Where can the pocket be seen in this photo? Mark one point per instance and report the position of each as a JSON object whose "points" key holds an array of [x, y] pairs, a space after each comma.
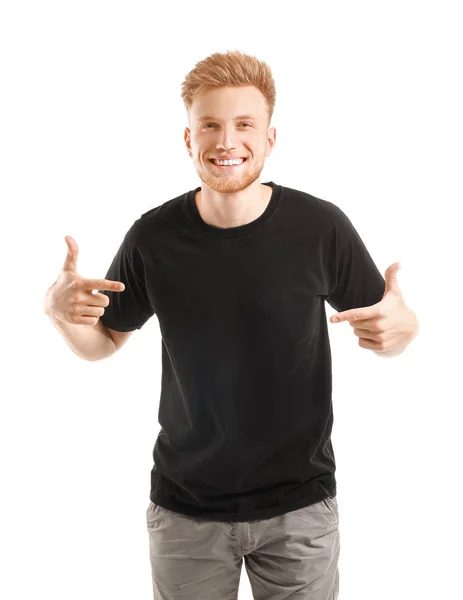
{"points": [[332, 504], [149, 515]]}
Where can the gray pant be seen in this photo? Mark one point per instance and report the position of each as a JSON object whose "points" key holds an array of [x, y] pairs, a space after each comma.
{"points": [[293, 555]]}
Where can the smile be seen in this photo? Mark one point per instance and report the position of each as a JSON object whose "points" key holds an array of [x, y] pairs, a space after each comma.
{"points": [[228, 166]]}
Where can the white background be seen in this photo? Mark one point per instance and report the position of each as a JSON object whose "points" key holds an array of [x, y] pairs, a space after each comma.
{"points": [[368, 116]]}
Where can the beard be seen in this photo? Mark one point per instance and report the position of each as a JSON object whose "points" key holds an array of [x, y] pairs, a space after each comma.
{"points": [[229, 182]]}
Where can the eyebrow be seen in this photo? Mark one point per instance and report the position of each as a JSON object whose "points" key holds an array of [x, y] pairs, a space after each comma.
{"points": [[235, 118]]}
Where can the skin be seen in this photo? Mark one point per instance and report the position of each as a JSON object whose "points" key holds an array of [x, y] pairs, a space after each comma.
{"points": [[235, 197], [386, 327]]}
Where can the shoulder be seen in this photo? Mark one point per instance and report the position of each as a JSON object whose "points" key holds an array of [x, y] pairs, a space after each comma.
{"points": [[147, 227], [327, 213], [162, 210]]}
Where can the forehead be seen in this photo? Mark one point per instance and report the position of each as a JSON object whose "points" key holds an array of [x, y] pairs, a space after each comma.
{"points": [[229, 103]]}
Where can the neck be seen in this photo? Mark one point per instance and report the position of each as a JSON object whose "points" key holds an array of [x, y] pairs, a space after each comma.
{"points": [[226, 210]]}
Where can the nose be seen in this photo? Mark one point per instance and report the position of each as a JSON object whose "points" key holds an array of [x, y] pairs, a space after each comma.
{"points": [[227, 140]]}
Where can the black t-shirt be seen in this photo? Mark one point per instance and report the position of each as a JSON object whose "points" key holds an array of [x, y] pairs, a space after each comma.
{"points": [[245, 408]]}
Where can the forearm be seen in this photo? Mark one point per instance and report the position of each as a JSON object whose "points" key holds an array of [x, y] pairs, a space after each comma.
{"points": [[88, 342]]}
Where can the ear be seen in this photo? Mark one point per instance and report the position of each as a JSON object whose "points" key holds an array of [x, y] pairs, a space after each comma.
{"points": [[186, 137], [271, 140]]}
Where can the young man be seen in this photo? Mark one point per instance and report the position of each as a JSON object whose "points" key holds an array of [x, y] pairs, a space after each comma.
{"points": [[238, 272]]}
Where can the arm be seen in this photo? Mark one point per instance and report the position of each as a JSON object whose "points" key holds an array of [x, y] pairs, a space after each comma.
{"points": [[386, 327], [89, 342]]}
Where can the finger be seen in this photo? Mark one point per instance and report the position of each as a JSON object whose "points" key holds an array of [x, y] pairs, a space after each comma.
{"points": [[104, 284], [92, 311], [366, 335], [97, 299], [70, 264], [357, 314]]}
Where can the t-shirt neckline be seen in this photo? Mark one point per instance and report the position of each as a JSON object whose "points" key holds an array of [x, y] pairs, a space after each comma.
{"points": [[240, 230]]}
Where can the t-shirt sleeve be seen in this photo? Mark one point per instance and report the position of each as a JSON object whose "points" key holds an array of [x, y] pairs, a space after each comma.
{"points": [[130, 309], [355, 281]]}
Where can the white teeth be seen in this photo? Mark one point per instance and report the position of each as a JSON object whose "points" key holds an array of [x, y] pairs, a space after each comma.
{"points": [[236, 161]]}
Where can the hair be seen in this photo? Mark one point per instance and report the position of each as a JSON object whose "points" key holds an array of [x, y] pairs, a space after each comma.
{"points": [[232, 68]]}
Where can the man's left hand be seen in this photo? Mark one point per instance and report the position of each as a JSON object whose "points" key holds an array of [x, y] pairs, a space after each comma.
{"points": [[388, 324]]}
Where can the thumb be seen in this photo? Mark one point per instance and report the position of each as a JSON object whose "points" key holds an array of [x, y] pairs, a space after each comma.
{"points": [[70, 264], [390, 277]]}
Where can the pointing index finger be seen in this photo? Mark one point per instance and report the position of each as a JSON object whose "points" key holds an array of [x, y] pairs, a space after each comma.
{"points": [[105, 284], [355, 314]]}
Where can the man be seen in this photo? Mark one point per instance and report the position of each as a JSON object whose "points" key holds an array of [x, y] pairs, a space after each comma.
{"points": [[238, 272]]}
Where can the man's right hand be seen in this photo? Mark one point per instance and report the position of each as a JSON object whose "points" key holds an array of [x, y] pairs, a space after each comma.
{"points": [[71, 299]]}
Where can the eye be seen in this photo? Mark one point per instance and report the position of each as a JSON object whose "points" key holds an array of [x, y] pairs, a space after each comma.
{"points": [[213, 124]]}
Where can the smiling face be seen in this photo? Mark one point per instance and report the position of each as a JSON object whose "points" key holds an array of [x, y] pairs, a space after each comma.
{"points": [[229, 122]]}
